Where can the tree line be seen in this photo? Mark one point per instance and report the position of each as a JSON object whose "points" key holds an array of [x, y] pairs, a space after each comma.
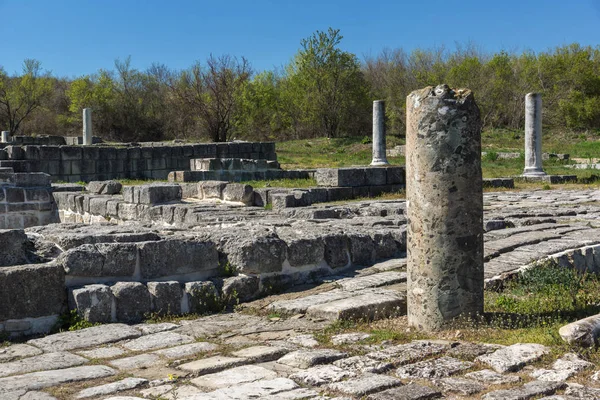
{"points": [[322, 91]]}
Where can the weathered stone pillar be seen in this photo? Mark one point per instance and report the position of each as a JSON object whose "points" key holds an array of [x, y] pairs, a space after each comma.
{"points": [[87, 126], [5, 137], [379, 156], [533, 135], [444, 206]]}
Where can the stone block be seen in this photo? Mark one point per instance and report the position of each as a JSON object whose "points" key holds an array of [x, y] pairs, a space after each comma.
{"points": [[239, 288], [94, 303], [261, 197], [185, 257], [98, 205], [104, 187], [157, 194], [362, 249], [340, 177], [318, 195], [257, 251], [15, 152], [339, 193], [49, 153], [395, 175], [100, 260], [337, 250], [238, 192], [15, 248], [31, 291], [212, 189], [202, 297], [375, 176], [133, 301], [166, 297], [71, 153], [305, 251], [14, 195]]}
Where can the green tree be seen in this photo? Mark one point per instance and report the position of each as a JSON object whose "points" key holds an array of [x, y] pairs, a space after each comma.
{"points": [[213, 93], [21, 95], [329, 86]]}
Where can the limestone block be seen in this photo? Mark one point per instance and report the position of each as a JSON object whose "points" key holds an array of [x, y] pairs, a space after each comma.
{"points": [[212, 189], [94, 303], [339, 193], [70, 153], [362, 249], [133, 301], [238, 192], [341, 177], [166, 297], [185, 256], [257, 251], [337, 250], [157, 194], [102, 259], [318, 195], [104, 187], [31, 291], [31, 179], [202, 297], [15, 247], [239, 288], [303, 250], [375, 176]]}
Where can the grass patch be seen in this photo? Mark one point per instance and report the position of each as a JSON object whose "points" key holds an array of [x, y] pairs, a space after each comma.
{"points": [[283, 183]]}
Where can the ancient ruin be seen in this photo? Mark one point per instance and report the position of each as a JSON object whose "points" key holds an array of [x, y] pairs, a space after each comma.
{"points": [[204, 287]]}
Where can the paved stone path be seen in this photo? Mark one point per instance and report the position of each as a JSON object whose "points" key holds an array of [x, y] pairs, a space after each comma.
{"points": [[248, 356], [241, 356]]}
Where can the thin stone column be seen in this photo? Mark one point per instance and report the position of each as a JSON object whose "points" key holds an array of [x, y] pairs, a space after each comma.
{"points": [[379, 156], [5, 137], [444, 206], [87, 126], [533, 135]]}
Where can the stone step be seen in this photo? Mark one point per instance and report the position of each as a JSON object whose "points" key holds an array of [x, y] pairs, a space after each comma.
{"points": [[44, 379], [88, 337], [368, 306], [371, 281]]}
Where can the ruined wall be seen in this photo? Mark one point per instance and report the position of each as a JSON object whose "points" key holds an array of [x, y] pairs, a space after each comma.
{"points": [[25, 200], [101, 162]]}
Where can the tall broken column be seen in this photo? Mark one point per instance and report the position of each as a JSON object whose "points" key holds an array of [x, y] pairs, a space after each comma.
{"points": [[379, 156], [87, 126], [5, 138], [444, 206], [533, 135]]}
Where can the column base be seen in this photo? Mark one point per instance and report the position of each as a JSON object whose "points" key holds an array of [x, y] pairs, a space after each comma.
{"points": [[533, 172], [379, 162]]}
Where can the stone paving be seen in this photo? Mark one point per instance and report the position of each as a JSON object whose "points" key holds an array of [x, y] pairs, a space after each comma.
{"points": [[242, 356], [246, 355]]}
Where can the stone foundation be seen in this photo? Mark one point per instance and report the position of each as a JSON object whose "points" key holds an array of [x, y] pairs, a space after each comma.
{"points": [[149, 161], [25, 200]]}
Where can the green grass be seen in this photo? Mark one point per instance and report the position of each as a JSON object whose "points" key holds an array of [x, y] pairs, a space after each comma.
{"points": [[333, 153], [283, 183]]}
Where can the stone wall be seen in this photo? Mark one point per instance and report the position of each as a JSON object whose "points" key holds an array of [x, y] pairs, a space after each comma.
{"points": [[25, 200], [101, 162]]}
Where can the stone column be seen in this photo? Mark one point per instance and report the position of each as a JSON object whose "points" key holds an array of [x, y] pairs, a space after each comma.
{"points": [[5, 137], [533, 135], [87, 126], [444, 206], [379, 157]]}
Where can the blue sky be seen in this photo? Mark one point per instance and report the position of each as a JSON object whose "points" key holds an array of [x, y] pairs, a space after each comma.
{"points": [[73, 38]]}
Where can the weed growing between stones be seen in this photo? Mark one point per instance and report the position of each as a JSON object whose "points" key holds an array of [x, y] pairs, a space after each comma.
{"points": [[71, 321]]}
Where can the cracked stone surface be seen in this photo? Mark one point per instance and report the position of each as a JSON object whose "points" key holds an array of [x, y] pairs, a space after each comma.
{"points": [[248, 355]]}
